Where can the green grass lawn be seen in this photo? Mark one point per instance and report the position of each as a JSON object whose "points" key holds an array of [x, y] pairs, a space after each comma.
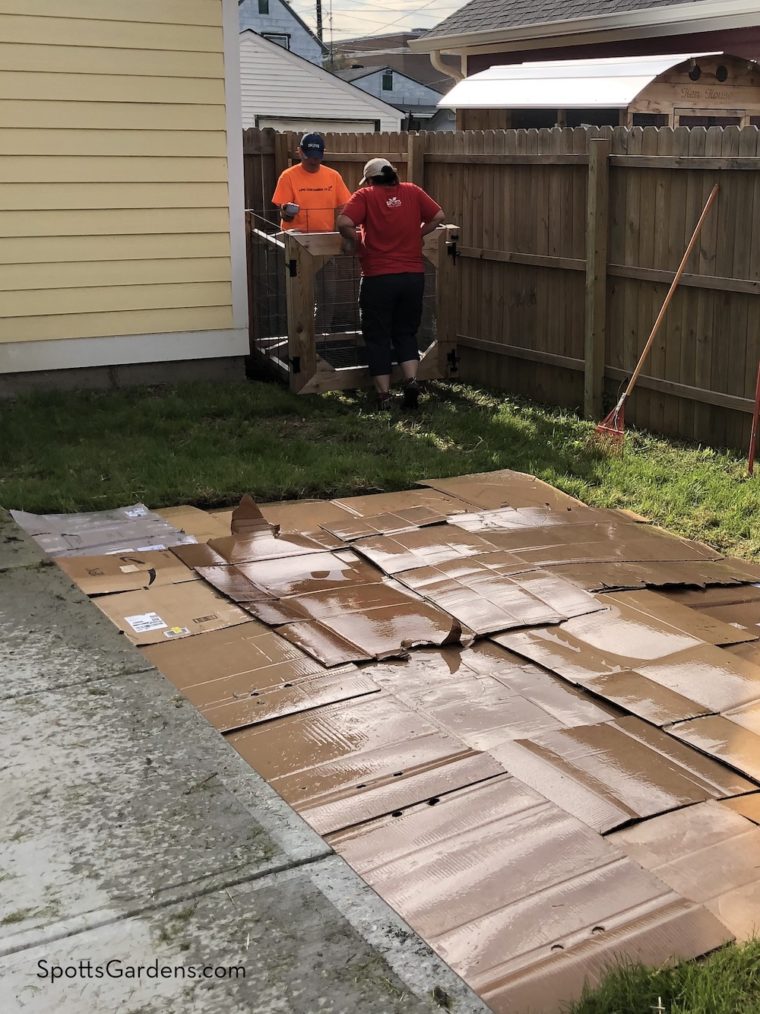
{"points": [[208, 444], [727, 982]]}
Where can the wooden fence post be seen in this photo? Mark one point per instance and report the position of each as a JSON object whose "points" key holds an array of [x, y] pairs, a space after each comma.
{"points": [[415, 167], [597, 233], [447, 301], [300, 270], [282, 153]]}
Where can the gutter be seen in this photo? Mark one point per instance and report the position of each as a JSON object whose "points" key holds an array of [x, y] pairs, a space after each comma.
{"points": [[721, 11], [445, 68]]}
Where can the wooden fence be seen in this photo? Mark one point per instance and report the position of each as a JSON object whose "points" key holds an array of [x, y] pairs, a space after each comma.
{"points": [[569, 240]]}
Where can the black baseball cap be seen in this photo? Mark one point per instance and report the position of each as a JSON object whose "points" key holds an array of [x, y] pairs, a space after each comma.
{"points": [[313, 145]]}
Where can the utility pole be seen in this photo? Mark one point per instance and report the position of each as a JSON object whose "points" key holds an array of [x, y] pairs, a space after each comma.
{"points": [[319, 20]]}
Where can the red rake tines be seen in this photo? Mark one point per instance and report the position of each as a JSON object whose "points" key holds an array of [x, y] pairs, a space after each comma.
{"points": [[611, 430]]}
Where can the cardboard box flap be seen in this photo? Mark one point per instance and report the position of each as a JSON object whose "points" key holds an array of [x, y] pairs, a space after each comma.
{"points": [[193, 521], [289, 700], [708, 854], [726, 740], [104, 575], [504, 488], [594, 771], [247, 518], [161, 614]]}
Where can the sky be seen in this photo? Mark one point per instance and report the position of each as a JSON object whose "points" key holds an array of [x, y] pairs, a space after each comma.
{"points": [[354, 18]]}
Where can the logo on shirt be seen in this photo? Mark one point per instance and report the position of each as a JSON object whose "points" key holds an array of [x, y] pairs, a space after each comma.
{"points": [[393, 202]]}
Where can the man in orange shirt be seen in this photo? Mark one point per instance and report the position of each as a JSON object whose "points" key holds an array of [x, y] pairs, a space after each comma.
{"points": [[310, 195]]}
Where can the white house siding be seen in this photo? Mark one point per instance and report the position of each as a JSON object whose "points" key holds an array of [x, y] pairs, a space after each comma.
{"points": [[405, 91], [281, 21], [277, 85]]}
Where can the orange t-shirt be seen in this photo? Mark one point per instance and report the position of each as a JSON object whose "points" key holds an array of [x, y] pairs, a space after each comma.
{"points": [[317, 194]]}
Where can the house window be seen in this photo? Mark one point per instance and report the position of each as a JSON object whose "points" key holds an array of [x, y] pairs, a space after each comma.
{"points": [[280, 40], [388, 81], [263, 6]]}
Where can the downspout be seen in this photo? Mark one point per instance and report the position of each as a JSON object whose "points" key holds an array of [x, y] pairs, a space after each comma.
{"points": [[445, 68]]}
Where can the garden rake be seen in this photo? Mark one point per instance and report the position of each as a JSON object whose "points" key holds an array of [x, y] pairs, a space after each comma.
{"points": [[611, 430]]}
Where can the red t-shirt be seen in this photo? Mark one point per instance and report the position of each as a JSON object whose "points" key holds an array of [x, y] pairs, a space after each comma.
{"points": [[391, 219]]}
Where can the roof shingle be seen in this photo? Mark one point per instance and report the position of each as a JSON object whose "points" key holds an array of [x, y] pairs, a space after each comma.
{"points": [[485, 15]]}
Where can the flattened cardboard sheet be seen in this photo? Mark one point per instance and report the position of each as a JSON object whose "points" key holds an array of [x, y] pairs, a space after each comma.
{"points": [[487, 601], [426, 547], [706, 626], [723, 738], [640, 696], [739, 614], [302, 515], [385, 524], [263, 546], [291, 576], [707, 854], [598, 577], [231, 664], [309, 757], [123, 530], [193, 521], [521, 518], [290, 699], [482, 878], [747, 806], [705, 599], [505, 488], [612, 773], [373, 504], [105, 575], [168, 613]]}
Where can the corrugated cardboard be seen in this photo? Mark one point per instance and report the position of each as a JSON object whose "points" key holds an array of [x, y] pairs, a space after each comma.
{"points": [[610, 774], [651, 574], [193, 521], [426, 547], [263, 546], [230, 664], [352, 744], [481, 877], [381, 503], [385, 524], [708, 626], [707, 854], [124, 530], [505, 488], [519, 518], [247, 519], [723, 738], [164, 614], [486, 601], [104, 575], [303, 515], [747, 806]]}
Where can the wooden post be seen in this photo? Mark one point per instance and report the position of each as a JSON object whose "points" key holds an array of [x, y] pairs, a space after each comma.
{"points": [[300, 269], [597, 222], [415, 168], [282, 153], [447, 300]]}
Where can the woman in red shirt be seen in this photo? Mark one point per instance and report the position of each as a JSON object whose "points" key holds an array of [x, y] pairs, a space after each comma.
{"points": [[393, 218]]}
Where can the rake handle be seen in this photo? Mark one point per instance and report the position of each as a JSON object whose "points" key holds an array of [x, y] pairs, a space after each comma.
{"points": [[671, 292]]}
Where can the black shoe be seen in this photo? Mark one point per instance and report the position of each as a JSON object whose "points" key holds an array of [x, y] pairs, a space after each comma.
{"points": [[384, 402], [411, 398]]}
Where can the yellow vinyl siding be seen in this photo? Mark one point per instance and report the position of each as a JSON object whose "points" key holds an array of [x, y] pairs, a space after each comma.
{"points": [[111, 169], [93, 60], [171, 143], [186, 12], [97, 325], [114, 203], [129, 272], [73, 249]]}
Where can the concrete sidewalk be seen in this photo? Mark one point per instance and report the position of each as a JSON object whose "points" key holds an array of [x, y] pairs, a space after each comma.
{"points": [[132, 835]]}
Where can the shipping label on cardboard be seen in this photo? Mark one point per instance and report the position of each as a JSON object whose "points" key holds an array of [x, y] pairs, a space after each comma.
{"points": [[143, 622]]}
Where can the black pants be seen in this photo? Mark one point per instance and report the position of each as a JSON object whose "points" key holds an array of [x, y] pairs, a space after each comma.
{"points": [[391, 311]]}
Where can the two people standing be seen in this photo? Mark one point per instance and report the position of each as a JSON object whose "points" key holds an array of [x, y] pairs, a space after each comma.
{"points": [[384, 224]]}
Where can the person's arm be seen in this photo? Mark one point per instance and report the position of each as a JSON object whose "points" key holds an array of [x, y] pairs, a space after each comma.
{"points": [[347, 230], [283, 195], [343, 196], [432, 225]]}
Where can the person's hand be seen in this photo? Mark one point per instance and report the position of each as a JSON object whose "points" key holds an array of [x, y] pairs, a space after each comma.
{"points": [[348, 246]]}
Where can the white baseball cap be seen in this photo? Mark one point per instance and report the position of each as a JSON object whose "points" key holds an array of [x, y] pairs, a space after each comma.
{"points": [[373, 168]]}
